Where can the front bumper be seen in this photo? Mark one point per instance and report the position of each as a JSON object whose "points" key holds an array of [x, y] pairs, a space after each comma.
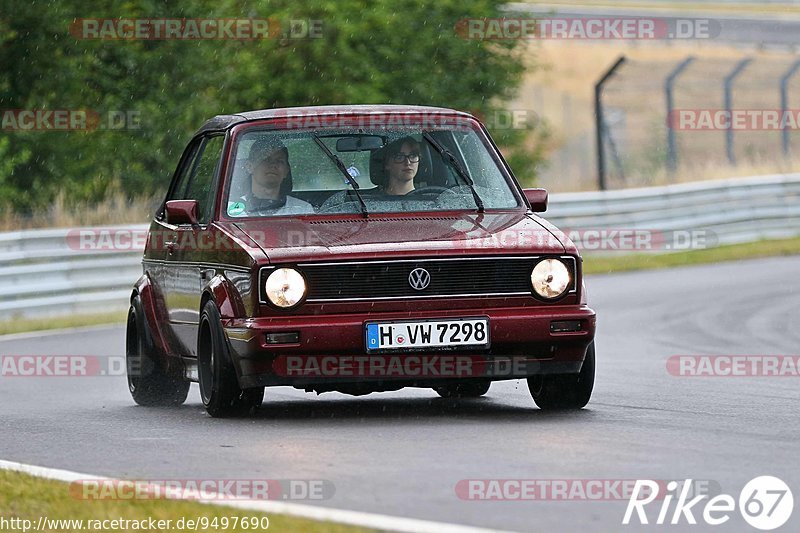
{"points": [[331, 348]]}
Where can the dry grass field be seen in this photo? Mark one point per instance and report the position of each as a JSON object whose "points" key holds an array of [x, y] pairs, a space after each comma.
{"points": [[116, 208]]}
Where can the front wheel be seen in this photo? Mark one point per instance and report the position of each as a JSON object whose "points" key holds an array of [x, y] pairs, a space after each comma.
{"points": [[219, 388], [565, 391]]}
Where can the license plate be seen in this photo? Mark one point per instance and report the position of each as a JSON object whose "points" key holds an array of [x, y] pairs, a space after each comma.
{"points": [[441, 334]]}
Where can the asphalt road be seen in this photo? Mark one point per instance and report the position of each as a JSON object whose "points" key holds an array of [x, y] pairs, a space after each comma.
{"points": [[403, 453]]}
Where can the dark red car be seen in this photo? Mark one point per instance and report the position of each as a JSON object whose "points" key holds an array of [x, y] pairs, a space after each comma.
{"points": [[354, 249]]}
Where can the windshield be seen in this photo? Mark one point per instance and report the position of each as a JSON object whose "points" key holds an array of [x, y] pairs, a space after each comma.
{"points": [[363, 170]]}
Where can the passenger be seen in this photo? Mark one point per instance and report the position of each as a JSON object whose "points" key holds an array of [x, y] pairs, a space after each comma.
{"points": [[270, 183], [400, 163]]}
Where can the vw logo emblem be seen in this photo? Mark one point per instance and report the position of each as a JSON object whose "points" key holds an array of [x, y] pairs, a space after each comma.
{"points": [[419, 279]]}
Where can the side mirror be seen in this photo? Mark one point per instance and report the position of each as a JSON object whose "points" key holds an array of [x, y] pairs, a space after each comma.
{"points": [[181, 212], [537, 198]]}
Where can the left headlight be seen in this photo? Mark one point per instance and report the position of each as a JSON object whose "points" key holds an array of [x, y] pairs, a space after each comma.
{"points": [[285, 287], [550, 278]]}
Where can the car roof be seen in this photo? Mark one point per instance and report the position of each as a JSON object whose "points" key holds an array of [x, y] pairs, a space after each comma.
{"points": [[223, 122]]}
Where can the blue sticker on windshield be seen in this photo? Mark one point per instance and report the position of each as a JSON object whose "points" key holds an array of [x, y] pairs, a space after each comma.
{"points": [[235, 208]]}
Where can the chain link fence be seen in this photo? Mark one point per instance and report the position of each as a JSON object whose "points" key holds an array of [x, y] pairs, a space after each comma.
{"points": [[647, 141]]}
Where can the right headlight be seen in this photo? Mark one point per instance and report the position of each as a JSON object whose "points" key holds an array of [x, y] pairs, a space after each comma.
{"points": [[285, 287], [550, 278]]}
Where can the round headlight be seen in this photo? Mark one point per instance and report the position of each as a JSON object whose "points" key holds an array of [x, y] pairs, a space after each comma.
{"points": [[550, 278], [285, 287]]}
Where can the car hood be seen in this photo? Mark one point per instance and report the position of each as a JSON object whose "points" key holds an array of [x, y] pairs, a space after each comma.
{"points": [[296, 240]]}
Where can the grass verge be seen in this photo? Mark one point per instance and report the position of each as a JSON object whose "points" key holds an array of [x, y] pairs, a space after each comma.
{"points": [[734, 252], [29, 498], [72, 321]]}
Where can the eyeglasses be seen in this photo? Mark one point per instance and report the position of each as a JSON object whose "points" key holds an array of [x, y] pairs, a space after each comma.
{"points": [[400, 157]]}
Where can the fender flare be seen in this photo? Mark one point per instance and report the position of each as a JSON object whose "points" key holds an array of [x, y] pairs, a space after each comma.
{"points": [[143, 288], [225, 297], [229, 304]]}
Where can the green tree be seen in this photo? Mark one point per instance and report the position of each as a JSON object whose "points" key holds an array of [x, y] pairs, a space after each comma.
{"points": [[368, 51]]}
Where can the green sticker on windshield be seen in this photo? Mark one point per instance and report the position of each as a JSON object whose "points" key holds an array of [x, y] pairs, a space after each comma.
{"points": [[235, 208]]}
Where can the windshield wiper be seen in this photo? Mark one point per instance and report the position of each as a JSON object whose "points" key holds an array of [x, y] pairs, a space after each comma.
{"points": [[456, 164], [338, 162]]}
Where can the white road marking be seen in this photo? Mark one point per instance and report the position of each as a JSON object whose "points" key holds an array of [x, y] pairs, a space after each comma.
{"points": [[341, 516]]}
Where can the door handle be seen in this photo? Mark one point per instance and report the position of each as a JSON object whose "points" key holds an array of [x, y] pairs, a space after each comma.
{"points": [[170, 246]]}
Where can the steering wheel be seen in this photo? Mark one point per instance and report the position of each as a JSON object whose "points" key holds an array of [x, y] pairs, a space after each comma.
{"points": [[430, 189]]}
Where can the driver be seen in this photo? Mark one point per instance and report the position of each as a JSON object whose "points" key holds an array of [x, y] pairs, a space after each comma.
{"points": [[270, 183], [400, 163]]}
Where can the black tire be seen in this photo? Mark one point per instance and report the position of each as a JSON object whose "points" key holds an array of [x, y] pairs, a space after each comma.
{"points": [[463, 390], [219, 387], [565, 391], [148, 382]]}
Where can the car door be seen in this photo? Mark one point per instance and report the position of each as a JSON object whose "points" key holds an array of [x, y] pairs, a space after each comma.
{"points": [[189, 252], [159, 253]]}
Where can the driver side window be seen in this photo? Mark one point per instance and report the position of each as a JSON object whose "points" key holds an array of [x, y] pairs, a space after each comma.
{"points": [[197, 176], [178, 189]]}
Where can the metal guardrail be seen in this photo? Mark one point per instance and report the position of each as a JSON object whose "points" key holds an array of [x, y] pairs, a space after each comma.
{"points": [[730, 211], [45, 272], [48, 272]]}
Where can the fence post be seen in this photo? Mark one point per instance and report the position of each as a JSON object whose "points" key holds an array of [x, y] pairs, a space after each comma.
{"points": [[600, 122], [672, 151], [729, 79], [785, 104]]}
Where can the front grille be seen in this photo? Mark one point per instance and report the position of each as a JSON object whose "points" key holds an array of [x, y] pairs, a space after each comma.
{"points": [[373, 280]]}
